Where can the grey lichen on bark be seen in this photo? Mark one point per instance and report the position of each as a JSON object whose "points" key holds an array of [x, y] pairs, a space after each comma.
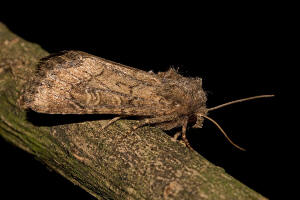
{"points": [[109, 164]]}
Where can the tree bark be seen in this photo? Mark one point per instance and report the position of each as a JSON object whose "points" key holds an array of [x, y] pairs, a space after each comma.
{"points": [[108, 164]]}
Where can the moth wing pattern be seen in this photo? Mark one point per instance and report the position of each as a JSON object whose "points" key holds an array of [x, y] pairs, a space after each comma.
{"points": [[74, 82]]}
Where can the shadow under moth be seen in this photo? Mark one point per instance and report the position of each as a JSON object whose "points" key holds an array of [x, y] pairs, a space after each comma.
{"points": [[74, 82]]}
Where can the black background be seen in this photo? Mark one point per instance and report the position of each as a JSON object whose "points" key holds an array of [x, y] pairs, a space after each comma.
{"points": [[237, 55]]}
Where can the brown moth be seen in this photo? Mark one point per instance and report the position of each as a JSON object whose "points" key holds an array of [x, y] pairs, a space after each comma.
{"points": [[74, 82]]}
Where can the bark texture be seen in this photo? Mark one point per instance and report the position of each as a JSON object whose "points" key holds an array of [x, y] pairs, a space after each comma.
{"points": [[108, 164]]}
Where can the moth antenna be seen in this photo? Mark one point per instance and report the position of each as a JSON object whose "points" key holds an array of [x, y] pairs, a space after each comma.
{"points": [[220, 128], [240, 100]]}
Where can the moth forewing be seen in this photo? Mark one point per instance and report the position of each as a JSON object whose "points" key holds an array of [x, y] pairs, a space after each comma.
{"points": [[90, 84]]}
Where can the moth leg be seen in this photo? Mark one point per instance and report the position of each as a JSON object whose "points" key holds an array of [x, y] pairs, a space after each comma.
{"points": [[184, 127], [176, 136], [110, 122], [154, 120]]}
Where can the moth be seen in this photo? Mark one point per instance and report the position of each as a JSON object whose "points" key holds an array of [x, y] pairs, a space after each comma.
{"points": [[74, 82]]}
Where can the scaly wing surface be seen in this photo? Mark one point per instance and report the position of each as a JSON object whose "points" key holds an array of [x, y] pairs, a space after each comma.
{"points": [[75, 82]]}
